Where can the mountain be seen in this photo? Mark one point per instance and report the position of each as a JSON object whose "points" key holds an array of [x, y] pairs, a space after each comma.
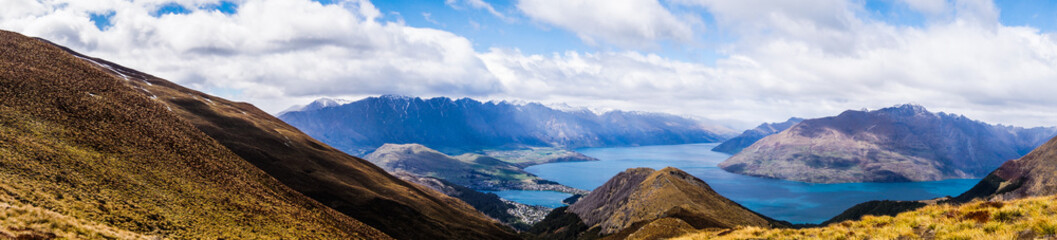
{"points": [[640, 196], [467, 125], [902, 143], [734, 145], [470, 170], [316, 105], [1033, 175], [86, 153], [253, 140]]}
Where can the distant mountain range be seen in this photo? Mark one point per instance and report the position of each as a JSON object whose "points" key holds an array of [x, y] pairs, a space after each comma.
{"points": [[902, 143], [465, 125], [747, 138]]}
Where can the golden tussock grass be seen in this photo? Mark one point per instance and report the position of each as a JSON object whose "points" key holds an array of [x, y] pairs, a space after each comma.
{"points": [[28, 222], [1031, 218]]}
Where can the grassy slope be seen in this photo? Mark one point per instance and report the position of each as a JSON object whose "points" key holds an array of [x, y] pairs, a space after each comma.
{"points": [[348, 184], [1020, 219], [29, 222], [78, 141], [1035, 174]]}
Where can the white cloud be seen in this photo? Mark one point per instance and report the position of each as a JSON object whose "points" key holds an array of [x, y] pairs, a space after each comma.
{"points": [[626, 23], [815, 60], [429, 18], [808, 59], [477, 4], [269, 50]]}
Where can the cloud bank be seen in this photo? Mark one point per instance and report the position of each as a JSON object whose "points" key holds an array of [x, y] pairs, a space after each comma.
{"points": [[808, 59]]}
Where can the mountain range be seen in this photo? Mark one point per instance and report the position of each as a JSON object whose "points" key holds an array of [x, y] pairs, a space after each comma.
{"points": [[902, 143], [467, 125], [734, 145], [106, 145]]}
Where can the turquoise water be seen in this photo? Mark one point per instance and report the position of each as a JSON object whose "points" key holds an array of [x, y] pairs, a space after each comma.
{"points": [[795, 202], [549, 199]]}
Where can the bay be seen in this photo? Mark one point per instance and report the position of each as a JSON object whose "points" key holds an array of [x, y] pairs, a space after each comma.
{"points": [[549, 199]]}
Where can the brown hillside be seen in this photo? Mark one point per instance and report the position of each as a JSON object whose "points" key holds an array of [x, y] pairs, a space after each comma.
{"points": [[639, 196], [1033, 175], [348, 184], [78, 141]]}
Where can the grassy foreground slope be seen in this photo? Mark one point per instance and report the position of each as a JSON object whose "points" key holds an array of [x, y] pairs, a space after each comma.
{"points": [[77, 141], [1029, 218]]}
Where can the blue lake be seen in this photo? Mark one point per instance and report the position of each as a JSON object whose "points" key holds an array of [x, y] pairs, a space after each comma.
{"points": [[795, 202], [549, 199]]}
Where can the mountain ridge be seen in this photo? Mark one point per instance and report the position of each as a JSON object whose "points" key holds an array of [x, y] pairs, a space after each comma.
{"points": [[77, 140], [456, 126]]}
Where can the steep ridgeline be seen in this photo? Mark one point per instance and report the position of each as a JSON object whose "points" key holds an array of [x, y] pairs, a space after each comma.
{"points": [[747, 138], [903, 143], [352, 186], [1034, 175], [87, 155], [641, 196], [470, 170], [458, 126]]}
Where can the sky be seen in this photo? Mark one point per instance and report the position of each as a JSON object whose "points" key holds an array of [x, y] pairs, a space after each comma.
{"points": [[737, 62]]}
